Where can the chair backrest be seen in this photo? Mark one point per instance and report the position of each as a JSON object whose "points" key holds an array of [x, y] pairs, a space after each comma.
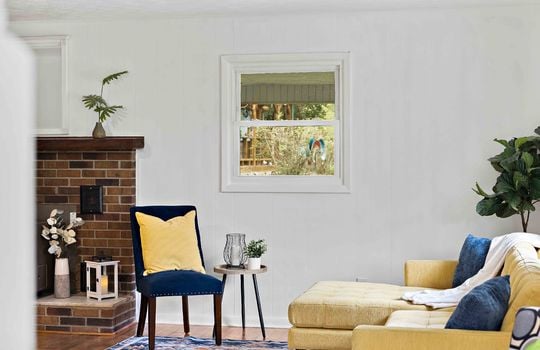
{"points": [[164, 212]]}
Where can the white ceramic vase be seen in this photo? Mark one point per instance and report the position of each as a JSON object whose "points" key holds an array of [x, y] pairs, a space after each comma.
{"points": [[254, 263], [61, 278]]}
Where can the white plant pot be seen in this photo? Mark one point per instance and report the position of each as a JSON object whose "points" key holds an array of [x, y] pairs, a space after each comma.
{"points": [[61, 278], [254, 263]]}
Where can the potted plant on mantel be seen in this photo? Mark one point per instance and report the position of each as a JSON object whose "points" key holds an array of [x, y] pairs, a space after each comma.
{"points": [[60, 236], [254, 250], [517, 188], [98, 104]]}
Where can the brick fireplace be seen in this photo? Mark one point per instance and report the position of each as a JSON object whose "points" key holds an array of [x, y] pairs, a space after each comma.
{"points": [[63, 165]]}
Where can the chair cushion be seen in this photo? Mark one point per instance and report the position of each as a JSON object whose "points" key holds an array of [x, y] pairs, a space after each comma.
{"points": [[471, 258], [484, 307], [418, 319], [169, 245], [344, 305], [181, 282]]}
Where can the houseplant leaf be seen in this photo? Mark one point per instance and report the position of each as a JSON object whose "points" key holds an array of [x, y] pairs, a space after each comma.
{"points": [[510, 163], [489, 206], [107, 80], [513, 199], [520, 141], [502, 142], [535, 188], [478, 190], [527, 206], [505, 211], [520, 180], [503, 185], [91, 101]]}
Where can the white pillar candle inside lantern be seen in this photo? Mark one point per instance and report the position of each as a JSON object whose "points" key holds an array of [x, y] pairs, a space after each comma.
{"points": [[235, 255], [101, 275], [104, 284]]}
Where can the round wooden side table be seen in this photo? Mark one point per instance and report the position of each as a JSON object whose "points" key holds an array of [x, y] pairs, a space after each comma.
{"points": [[224, 270]]}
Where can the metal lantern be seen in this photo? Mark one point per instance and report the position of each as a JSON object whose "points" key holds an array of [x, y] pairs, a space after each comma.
{"points": [[234, 250]]}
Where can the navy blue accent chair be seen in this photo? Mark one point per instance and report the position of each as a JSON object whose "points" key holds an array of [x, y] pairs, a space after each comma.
{"points": [[170, 283]]}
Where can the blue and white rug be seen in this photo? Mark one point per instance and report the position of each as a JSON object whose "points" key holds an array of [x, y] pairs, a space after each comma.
{"points": [[192, 343]]}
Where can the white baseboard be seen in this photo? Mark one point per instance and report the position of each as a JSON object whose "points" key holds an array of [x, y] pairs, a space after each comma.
{"points": [[208, 319], [231, 321]]}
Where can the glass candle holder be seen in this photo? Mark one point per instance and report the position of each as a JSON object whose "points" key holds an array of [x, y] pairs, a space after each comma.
{"points": [[233, 254]]}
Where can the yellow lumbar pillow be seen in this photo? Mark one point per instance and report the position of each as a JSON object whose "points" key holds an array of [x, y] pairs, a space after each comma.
{"points": [[169, 245]]}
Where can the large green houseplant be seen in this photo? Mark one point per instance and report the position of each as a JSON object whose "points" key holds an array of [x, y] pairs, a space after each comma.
{"points": [[517, 188]]}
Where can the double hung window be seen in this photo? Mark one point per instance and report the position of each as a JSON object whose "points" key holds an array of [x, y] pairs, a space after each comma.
{"points": [[285, 123]]}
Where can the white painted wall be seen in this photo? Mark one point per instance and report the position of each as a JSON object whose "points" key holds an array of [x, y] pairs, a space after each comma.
{"points": [[17, 194], [430, 90]]}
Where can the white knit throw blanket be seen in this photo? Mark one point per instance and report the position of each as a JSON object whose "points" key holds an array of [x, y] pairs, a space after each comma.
{"points": [[500, 245]]}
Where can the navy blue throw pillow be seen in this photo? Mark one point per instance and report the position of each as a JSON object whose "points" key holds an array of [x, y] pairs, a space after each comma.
{"points": [[484, 307], [471, 258]]}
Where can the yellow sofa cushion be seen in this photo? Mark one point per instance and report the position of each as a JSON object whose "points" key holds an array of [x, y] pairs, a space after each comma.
{"points": [[169, 245], [344, 305], [418, 319]]}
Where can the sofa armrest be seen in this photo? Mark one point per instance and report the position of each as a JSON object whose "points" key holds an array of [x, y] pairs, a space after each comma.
{"points": [[396, 338], [437, 274]]}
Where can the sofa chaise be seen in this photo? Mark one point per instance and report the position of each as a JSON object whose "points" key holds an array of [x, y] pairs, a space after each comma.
{"points": [[371, 316]]}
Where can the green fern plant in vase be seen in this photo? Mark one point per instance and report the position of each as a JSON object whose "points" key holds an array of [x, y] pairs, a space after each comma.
{"points": [[98, 104], [254, 250]]}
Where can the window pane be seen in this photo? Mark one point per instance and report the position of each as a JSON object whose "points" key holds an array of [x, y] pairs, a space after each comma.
{"points": [[288, 96], [291, 150], [49, 88], [291, 111]]}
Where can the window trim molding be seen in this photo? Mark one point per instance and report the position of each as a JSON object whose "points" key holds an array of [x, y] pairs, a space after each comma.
{"points": [[53, 42], [232, 66]]}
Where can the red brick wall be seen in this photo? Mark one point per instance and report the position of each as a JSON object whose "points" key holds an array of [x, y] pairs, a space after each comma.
{"points": [[59, 175]]}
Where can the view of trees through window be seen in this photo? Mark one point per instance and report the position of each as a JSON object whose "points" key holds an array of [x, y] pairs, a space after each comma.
{"points": [[295, 147]]}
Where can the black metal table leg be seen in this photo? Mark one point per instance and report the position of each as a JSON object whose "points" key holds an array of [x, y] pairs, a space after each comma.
{"points": [[243, 302], [259, 305], [223, 288]]}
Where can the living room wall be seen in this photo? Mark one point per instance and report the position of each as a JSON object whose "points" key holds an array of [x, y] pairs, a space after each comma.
{"points": [[431, 88]]}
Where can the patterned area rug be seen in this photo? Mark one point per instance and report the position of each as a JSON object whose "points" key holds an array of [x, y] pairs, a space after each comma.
{"points": [[192, 343]]}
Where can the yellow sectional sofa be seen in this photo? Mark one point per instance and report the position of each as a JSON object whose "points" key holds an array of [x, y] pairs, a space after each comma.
{"points": [[371, 316]]}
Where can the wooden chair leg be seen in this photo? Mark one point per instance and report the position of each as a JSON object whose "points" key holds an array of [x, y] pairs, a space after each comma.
{"points": [[217, 317], [185, 313], [142, 315], [152, 323]]}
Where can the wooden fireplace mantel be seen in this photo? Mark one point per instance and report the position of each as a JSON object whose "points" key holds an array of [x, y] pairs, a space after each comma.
{"points": [[83, 143]]}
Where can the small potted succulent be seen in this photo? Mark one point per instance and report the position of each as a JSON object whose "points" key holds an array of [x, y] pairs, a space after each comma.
{"points": [[254, 250]]}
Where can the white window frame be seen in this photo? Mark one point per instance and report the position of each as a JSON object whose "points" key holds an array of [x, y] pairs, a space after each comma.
{"points": [[232, 66], [55, 42]]}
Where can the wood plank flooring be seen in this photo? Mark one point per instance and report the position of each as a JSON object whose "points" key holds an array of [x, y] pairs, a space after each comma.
{"points": [[50, 341]]}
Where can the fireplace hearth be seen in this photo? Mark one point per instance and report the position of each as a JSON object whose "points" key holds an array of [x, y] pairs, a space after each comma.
{"points": [[64, 164]]}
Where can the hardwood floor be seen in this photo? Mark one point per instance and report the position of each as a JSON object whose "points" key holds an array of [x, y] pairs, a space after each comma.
{"points": [[50, 341]]}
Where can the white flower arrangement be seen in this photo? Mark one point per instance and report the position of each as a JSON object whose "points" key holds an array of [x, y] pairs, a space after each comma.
{"points": [[58, 234]]}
